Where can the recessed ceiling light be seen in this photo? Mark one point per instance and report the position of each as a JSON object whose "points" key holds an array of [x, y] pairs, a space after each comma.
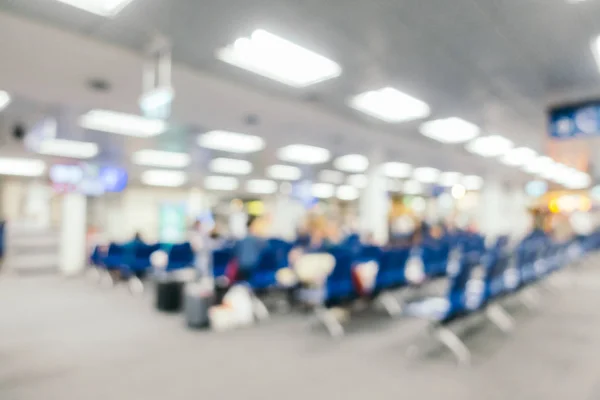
{"points": [[449, 179], [122, 124], [163, 159], [352, 163], [303, 154], [68, 148], [472, 182], [322, 190], [230, 166], [284, 172], [393, 185], [276, 58], [450, 130], [426, 174], [330, 176], [490, 146], [397, 170], [103, 8], [21, 167], [359, 181], [224, 183], [596, 50], [412, 187], [390, 105], [538, 165], [347, 193], [166, 178], [4, 99], [231, 142], [261, 186], [458, 191], [519, 156]]}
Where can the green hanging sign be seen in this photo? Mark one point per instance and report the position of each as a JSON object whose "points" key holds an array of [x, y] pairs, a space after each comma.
{"points": [[172, 223]]}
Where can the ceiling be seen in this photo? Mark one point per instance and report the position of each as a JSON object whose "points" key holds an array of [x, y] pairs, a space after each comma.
{"points": [[495, 63]]}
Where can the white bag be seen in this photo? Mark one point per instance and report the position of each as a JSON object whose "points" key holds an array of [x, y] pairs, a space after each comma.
{"points": [[415, 270], [239, 299], [313, 269]]}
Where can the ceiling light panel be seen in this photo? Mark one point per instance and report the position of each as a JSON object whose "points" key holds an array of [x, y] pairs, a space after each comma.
{"points": [[448, 179], [359, 181], [122, 124], [330, 176], [304, 154], [390, 105], [22, 167], [103, 8], [352, 163], [472, 182], [279, 59], [426, 174], [347, 193], [163, 159], [68, 148], [261, 186], [165, 178], [538, 165], [231, 142], [230, 166], [596, 50], [397, 170], [519, 156], [490, 146], [322, 190], [450, 130], [221, 183], [284, 172], [4, 99], [412, 187]]}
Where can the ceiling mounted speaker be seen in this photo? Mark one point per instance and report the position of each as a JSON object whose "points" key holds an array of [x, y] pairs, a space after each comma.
{"points": [[18, 132]]}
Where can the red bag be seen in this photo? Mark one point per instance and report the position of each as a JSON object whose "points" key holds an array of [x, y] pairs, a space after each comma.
{"points": [[357, 282], [231, 271]]}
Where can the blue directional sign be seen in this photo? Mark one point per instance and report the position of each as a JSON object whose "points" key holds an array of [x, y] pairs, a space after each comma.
{"points": [[575, 121]]}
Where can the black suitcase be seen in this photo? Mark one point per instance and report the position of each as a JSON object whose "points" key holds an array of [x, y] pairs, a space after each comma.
{"points": [[169, 296]]}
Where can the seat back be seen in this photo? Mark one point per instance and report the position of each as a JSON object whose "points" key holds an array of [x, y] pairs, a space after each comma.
{"points": [[181, 255], [497, 263], [344, 259]]}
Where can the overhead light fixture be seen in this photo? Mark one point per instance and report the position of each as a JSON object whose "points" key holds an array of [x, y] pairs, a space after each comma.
{"points": [[68, 148], [397, 170], [284, 172], [230, 166], [231, 142], [4, 99], [393, 185], [490, 146], [21, 167], [596, 50], [347, 193], [426, 174], [359, 181], [303, 154], [412, 187], [165, 178], [330, 176], [538, 165], [390, 105], [354, 163], [472, 182], [551, 171], [163, 159], [458, 191], [519, 156], [122, 124], [222, 183], [448, 179], [102, 8], [450, 130], [322, 190], [276, 58], [261, 186]]}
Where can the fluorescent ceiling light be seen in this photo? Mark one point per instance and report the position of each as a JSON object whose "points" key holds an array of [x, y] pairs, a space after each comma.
{"points": [[68, 148], [519, 156], [538, 165], [225, 183], [22, 167], [230, 166], [551, 171], [4, 99], [578, 180], [322, 190], [330, 176], [458, 191], [231, 142], [426, 174], [303, 154], [490, 146], [472, 182], [122, 124], [596, 50], [352, 163], [261, 186], [448, 179], [412, 187], [450, 130], [276, 58], [166, 178], [393, 185], [284, 172], [164, 159], [347, 193], [359, 181], [103, 8], [397, 170], [390, 105]]}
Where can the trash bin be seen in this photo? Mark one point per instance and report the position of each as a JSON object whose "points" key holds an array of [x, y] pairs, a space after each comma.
{"points": [[169, 295], [198, 300]]}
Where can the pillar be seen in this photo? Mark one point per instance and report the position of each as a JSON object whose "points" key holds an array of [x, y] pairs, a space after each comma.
{"points": [[72, 256], [287, 214], [492, 210], [520, 219], [374, 202]]}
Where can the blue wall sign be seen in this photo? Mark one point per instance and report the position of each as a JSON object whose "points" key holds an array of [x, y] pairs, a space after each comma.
{"points": [[88, 179], [575, 121]]}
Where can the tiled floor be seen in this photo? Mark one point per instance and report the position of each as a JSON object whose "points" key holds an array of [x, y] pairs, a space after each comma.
{"points": [[70, 339]]}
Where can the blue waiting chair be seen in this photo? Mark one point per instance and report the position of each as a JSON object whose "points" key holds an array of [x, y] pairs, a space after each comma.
{"points": [[180, 256]]}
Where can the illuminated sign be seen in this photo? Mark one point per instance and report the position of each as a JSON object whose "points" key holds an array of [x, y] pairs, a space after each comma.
{"points": [[88, 179]]}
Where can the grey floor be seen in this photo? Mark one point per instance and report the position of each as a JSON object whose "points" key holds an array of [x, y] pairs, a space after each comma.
{"points": [[71, 339]]}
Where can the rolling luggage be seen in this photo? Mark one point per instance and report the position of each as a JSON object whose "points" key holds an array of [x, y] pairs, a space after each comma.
{"points": [[169, 295], [198, 300]]}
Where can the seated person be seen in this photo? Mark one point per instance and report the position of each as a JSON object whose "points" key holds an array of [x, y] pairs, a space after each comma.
{"points": [[248, 250]]}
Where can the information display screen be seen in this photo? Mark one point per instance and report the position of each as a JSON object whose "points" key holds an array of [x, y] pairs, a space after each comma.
{"points": [[89, 179]]}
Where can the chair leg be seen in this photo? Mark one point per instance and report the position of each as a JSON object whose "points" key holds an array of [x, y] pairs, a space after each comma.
{"points": [[454, 344], [260, 310], [390, 303], [330, 321], [136, 286], [94, 274], [107, 279], [499, 317], [530, 299]]}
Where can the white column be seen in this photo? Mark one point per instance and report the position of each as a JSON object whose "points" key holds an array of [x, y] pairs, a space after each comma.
{"points": [[73, 234], [491, 217], [37, 204], [374, 202], [520, 221], [287, 214]]}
